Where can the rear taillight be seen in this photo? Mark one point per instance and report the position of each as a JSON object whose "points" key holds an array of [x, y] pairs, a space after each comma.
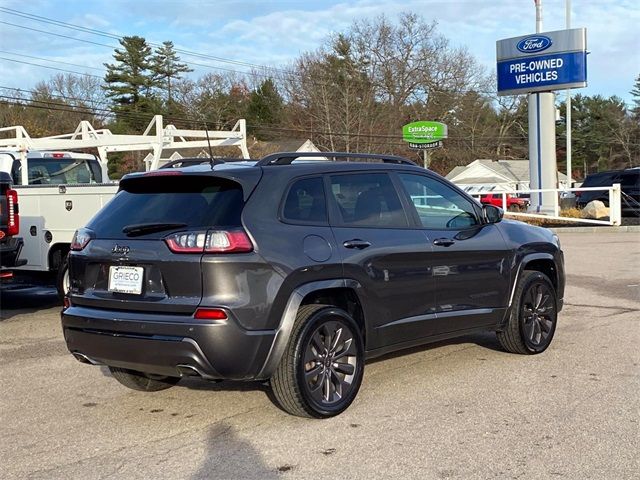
{"points": [[13, 215], [80, 239], [210, 314], [212, 241]]}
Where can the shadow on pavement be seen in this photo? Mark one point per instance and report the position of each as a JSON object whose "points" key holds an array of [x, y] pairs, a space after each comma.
{"points": [[20, 299], [486, 340], [229, 456]]}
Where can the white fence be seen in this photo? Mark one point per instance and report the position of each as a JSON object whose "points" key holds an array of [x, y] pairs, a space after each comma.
{"points": [[615, 209]]}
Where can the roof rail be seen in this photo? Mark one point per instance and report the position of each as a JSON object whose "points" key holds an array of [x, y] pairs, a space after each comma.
{"points": [[189, 162], [285, 158]]}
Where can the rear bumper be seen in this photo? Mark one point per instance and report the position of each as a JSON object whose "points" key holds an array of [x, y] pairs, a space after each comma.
{"points": [[172, 345], [10, 252]]}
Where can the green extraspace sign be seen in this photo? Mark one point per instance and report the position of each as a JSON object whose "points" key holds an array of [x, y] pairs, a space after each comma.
{"points": [[424, 132]]}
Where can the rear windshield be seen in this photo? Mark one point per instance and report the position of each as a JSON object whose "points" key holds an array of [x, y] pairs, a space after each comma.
{"points": [[197, 202], [56, 171]]}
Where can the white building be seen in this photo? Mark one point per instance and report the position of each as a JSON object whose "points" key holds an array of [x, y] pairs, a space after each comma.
{"points": [[495, 176]]}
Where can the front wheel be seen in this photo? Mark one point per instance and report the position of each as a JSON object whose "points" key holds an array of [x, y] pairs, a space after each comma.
{"points": [[534, 314], [322, 368]]}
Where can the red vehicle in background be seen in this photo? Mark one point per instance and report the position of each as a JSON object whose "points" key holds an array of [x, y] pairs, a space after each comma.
{"points": [[514, 203]]}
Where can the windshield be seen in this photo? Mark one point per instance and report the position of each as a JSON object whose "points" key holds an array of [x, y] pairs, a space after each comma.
{"points": [[149, 205], [56, 171]]}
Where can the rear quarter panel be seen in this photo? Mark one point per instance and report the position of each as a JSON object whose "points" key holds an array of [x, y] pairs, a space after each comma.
{"points": [[284, 250]]}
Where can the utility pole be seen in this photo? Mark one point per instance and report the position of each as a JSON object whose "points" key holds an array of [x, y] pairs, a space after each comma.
{"points": [[568, 103]]}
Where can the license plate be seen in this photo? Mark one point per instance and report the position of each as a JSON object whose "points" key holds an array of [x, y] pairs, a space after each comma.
{"points": [[126, 279]]}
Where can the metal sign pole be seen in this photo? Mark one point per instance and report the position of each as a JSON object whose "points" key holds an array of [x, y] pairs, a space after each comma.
{"points": [[542, 142], [568, 106]]}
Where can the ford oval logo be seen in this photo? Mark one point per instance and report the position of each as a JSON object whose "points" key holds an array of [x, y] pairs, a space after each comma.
{"points": [[533, 44]]}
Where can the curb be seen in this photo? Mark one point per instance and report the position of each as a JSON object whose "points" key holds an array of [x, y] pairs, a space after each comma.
{"points": [[624, 228]]}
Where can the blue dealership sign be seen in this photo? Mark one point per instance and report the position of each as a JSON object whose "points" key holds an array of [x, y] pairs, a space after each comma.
{"points": [[542, 62], [543, 72]]}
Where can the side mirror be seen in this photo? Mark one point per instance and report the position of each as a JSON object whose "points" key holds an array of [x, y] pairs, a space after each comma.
{"points": [[492, 214]]}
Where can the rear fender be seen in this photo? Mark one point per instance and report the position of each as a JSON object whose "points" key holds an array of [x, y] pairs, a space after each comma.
{"points": [[283, 331]]}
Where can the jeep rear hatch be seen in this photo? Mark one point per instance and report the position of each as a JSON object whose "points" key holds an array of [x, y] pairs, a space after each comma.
{"points": [[142, 251]]}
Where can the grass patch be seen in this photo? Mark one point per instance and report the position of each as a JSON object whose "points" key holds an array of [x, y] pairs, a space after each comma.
{"points": [[554, 222]]}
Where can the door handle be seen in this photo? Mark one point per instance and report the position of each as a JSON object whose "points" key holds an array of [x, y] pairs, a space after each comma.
{"points": [[356, 243], [443, 242]]}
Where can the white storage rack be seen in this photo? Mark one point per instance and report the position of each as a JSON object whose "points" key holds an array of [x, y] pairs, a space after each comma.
{"points": [[155, 139], [51, 213]]}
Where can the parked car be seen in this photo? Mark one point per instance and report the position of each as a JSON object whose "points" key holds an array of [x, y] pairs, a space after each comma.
{"points": [[629, 181], [10, 243], [296, 272], [514, 203]]}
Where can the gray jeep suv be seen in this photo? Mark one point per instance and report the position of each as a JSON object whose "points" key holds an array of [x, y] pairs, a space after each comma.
{"points": [[296, 270]]}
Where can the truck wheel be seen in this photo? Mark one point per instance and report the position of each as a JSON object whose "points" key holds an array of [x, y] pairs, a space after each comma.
{"points": [[141, 381], [63, 283], [533, 317], [322, 368]]}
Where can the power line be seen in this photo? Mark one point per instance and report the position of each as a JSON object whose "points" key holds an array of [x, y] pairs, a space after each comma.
{"points": [[52, 106], [118, 37], [284, 73], [52, 61], [214, 67], [148, 116], [85, 101], [188, 119], [51, 68], [57, 34]]}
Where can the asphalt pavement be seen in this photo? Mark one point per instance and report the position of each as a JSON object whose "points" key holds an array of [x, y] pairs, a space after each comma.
{"points": [[462, 409]]}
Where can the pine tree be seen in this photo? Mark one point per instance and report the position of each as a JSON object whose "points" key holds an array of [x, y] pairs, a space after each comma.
{"points": [[129, 82], [166, 67], [265, 108], [635, 93]]}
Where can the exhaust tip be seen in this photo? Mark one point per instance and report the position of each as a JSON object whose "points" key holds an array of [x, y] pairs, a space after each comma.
{"points": [[82, 358], [188, 371]]}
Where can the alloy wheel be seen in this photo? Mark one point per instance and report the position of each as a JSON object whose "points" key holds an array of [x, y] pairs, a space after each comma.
{"points": [[538, 315], [330, 363]]}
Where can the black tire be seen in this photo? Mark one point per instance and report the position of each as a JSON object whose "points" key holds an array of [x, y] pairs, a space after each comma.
{"points": [[534, 315], [317, 396], [142, 381], [62, 278]]}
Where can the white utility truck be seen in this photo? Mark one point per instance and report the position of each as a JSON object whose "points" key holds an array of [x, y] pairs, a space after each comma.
{"points": [[60, 190]]}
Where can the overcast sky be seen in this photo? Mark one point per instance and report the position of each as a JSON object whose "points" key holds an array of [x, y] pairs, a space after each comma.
{"points": [[275, 32]]}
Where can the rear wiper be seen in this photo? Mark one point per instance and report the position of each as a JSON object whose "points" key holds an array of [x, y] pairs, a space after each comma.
{"points": [[144, 228]]}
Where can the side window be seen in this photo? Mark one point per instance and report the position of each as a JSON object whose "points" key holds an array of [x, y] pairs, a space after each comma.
{"points": [[16, 172], [368, 200], [439, 206], [96, 171], [631, 179], [306, 202]]}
